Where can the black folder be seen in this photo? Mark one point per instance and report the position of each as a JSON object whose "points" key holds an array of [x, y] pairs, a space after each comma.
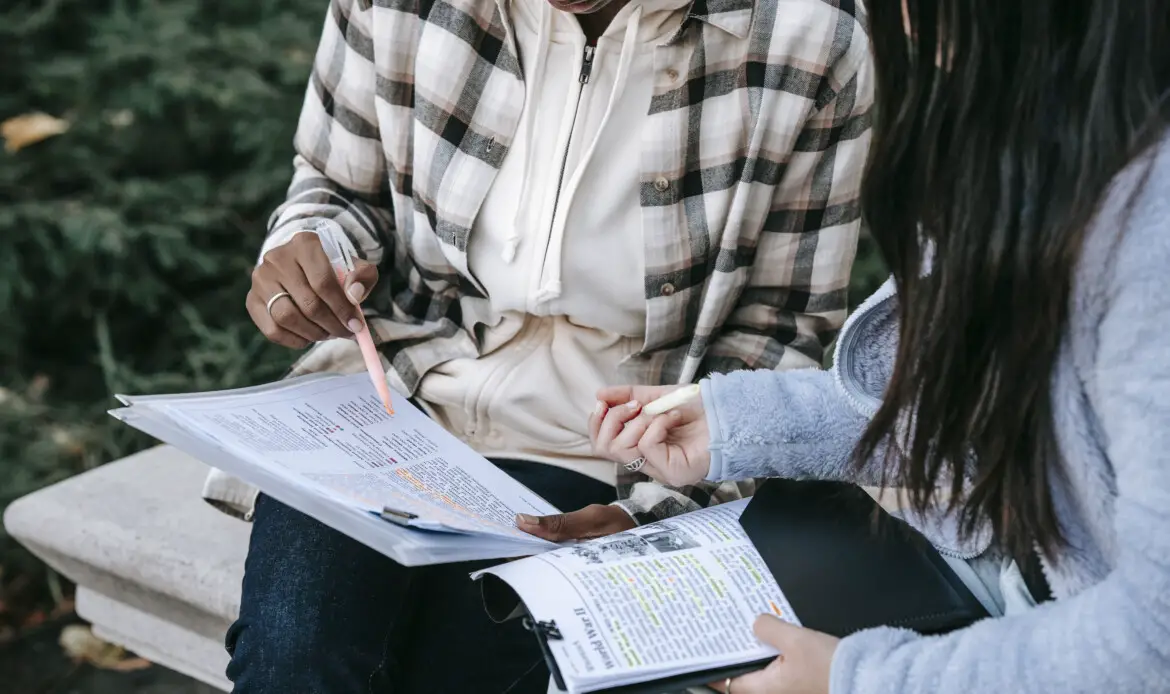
{"points": [[846, 565], [843, 563]]}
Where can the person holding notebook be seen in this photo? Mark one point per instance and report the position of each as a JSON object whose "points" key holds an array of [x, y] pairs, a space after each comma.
{"points": [[548, 197], [1016, 370]]}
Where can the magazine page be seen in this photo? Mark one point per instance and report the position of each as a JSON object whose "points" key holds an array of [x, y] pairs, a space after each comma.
{"points": [[333, 436], [663, 599]]}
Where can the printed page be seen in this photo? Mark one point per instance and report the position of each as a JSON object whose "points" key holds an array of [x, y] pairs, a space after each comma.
{"points": [[672, 597], [332, 435]]}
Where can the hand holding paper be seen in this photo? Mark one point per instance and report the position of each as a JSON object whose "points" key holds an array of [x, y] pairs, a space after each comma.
{"points": [[802, 667], [589, 522]]}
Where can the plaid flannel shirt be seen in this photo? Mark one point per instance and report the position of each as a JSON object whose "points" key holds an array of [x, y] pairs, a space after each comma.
{"points": [[749, 186]]}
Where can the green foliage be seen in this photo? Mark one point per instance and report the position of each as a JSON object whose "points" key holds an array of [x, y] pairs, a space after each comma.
{"points": [[869, 271], [126, 242]]}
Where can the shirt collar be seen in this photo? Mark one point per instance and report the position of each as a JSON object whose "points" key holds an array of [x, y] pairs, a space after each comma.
{"points": [[732, 16]]}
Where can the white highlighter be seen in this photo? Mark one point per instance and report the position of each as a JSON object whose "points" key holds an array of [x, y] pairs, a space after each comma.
{"points": [[673, 399]]}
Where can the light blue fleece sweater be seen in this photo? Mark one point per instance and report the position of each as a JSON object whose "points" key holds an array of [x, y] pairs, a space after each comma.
{"points": [[1108, 630]]}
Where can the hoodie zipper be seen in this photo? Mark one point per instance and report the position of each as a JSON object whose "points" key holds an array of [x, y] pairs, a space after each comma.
{"points": [[582, 80]]}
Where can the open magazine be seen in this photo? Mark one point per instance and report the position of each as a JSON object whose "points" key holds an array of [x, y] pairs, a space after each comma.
{"points": [[325, 446], [664, 600]]}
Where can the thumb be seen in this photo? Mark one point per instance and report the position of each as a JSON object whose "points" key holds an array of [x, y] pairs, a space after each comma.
{"points": [[592, 521], [359, 282], [555, 528], [776, 632]]}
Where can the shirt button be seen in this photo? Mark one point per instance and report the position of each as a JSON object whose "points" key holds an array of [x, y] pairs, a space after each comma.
{"points": [[661, 184], [667, 289], [671, 74]]}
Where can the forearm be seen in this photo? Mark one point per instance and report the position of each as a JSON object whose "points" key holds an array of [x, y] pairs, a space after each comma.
{"points": [[365, 218], [793, 424], [1111, 638], [340, 170]]}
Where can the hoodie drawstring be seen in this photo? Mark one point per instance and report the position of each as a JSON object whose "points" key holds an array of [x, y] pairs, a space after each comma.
{"points": [[551, 288], [544, 38]]}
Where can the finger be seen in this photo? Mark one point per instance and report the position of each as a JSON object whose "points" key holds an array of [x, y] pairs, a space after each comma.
{"points": [[595, 419], [616, 395], [613, 423], [658, 429], [776, 632], [595, 520], [626, 442], [312, 281], [359, 282], [653, 446], [284, 311], [766, 681], [268, 327]]}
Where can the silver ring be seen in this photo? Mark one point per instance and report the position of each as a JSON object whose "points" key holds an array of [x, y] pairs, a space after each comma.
{"points": [[727, 686], [635, 465], [273, 300]]}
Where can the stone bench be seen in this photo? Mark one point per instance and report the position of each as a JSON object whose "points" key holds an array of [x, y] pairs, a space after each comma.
{"points": [[157, 569]]}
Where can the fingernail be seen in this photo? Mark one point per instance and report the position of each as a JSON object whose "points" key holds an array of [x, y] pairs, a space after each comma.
{"points": [[599, 407], [633, 404], [357, 291], [525, 519], [354, 325]]}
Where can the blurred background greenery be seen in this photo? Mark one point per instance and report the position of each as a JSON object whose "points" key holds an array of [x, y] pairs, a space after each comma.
{"points": [[126, 239]]}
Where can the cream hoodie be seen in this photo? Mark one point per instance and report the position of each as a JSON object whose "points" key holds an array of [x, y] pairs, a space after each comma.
{"points": [[558, 242]]}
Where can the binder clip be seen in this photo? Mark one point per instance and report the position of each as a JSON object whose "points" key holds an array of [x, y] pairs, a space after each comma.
{"points": [[546, 631]]}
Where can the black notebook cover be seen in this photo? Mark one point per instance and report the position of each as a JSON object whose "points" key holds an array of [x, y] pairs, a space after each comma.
{"points": [[844, 564]]}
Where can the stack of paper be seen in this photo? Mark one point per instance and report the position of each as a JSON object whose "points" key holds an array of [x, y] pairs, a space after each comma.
{"points": [[325, 446]]}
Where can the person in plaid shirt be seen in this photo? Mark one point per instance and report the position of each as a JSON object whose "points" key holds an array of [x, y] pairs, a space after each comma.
{"points": [[550, 197]]}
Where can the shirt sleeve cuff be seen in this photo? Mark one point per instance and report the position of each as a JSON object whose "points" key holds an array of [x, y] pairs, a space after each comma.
{"points": [[714, 433], [633, 510], [279, 237]]}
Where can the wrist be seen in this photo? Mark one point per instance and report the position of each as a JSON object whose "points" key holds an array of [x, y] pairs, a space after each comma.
{"points": [[715, 466], [630, 509]]}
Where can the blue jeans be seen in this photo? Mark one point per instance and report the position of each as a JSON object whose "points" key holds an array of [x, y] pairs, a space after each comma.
{"points": [[323, 613]]}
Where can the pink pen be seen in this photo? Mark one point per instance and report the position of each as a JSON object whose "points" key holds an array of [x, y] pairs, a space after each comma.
{"points": [[341, 255]]}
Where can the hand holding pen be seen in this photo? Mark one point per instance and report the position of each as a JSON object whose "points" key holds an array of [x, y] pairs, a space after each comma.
{"points": [[666, 438], [661, 431], [309, 290], [296, 300]]}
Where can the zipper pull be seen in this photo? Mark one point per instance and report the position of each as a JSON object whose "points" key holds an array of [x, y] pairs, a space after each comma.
{"points": [[587, 64]]}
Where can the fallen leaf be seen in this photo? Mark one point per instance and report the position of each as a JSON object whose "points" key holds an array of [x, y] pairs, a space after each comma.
{"points": [[21, 131], [80, 644]]}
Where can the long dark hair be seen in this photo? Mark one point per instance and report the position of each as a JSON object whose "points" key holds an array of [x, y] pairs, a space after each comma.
{"points": [[999, 126]]}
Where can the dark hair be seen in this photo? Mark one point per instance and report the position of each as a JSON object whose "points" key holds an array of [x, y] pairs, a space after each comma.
{"points": [[999, 127]]}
